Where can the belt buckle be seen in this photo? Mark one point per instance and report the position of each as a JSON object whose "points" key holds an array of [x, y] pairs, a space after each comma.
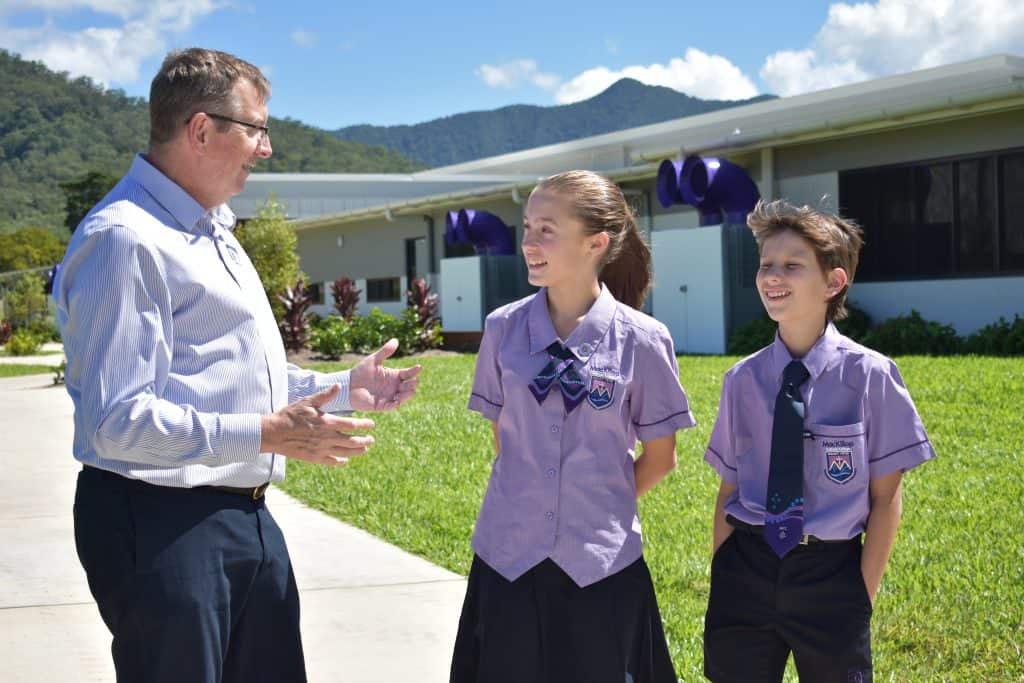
{"points": [[258, 492]]}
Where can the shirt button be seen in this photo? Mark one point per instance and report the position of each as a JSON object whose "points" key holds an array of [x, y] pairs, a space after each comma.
{"points": [[554, 429], [549, 515], [551, 472]]}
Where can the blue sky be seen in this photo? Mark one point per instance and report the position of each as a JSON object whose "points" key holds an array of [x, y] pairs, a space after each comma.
{"points": [[336, 64]]}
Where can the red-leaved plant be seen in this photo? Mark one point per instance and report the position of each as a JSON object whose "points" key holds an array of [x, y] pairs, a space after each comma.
{"points": [[294, 326], [5, 331], [346, 297], [424, 303]]}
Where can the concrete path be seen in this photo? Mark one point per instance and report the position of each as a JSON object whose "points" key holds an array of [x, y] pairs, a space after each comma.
{"points": [[370, 612], [52, 354]]}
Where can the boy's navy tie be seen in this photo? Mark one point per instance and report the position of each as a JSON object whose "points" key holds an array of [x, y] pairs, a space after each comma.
{"points": [[784, 507], [559, 368]]}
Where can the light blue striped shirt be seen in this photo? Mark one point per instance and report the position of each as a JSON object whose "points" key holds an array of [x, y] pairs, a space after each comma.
{"points": [[173, 351]]}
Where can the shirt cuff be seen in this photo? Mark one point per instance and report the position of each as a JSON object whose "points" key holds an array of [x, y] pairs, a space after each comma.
{"points": [[717, 462], [340, 404], [902, 460], [485, 407], [239, 437], [667, 425]]}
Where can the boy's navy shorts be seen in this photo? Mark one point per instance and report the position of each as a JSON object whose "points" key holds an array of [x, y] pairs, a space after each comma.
{"points": [[813, 603]]}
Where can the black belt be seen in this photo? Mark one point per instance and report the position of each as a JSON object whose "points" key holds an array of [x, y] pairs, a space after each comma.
{"points": [[758, 530], [253, 492]]}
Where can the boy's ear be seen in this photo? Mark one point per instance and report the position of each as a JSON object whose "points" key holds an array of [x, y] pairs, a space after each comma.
{"points": [[837, 280]]}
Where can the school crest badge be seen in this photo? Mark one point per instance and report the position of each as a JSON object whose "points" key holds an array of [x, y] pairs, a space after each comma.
{"points": [[602, 392], [839, 462]]}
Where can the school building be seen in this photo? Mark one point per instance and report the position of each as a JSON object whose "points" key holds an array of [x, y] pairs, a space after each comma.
{"points": [[930, 163]]}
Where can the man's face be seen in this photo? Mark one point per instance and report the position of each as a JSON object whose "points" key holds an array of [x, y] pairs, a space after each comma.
{"points": [[234, 149]]}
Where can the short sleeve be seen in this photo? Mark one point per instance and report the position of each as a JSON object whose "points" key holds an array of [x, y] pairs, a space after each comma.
{"points": [[487, 397], [658, 405], [896, 436], [721, 454]]}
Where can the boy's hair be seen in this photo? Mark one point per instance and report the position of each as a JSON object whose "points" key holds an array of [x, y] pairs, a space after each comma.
{"points": [[196, 80], [836, 240], [600, 205]]}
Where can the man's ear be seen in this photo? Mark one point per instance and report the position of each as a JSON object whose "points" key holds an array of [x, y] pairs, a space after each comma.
{"points": [[837, 280], [198, 130]]}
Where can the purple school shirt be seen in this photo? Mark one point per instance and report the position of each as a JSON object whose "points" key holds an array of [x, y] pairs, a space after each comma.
{"points": [[860, 424], [563, 485]]}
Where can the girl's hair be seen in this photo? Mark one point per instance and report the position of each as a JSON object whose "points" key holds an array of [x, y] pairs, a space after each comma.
{"points": [[600, 205]]}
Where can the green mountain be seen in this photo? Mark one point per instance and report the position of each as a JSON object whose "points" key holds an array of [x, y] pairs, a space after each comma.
{"points": [[55, 129], [474, 135]]}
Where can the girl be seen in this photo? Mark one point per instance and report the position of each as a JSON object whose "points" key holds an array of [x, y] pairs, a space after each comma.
{"points": [[571, 378]]}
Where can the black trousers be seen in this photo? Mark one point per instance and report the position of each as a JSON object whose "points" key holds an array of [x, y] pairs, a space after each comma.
{"points": [[813, 602], [194, 584]]}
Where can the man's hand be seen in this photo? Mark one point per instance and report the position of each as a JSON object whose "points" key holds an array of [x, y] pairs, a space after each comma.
{"points": [[375, 387], [303, 432]]}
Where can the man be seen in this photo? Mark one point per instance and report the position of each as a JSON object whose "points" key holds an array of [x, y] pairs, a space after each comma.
{"points": [[185, 407]]}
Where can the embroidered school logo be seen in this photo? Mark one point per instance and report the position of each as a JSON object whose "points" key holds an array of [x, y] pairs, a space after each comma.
{"points": [[839, 461], [602, 392]]}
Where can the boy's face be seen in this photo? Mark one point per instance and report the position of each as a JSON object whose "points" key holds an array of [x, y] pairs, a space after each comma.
{"points": [[792, 285]]}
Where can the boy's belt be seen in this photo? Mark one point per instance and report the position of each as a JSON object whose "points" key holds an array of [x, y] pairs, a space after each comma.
{"points": [[758, 530]]}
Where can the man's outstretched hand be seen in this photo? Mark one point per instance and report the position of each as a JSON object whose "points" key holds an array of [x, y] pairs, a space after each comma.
{"points": [[375, 387], [304, 432]]}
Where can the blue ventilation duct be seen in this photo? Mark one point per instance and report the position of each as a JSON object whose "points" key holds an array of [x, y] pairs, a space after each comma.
{"points": [[714, 186], [487, 233]]}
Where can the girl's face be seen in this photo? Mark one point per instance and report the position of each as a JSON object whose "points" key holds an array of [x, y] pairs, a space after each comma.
{"points": [[556, 248]]}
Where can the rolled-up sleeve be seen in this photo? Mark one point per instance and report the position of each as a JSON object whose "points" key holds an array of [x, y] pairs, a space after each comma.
{"points": [[720, 453], [896, 436], [487, 397], [117, 323], [658, 404]]}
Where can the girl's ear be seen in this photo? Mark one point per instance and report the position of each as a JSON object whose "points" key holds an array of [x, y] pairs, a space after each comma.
{"points": [[599, 242]]}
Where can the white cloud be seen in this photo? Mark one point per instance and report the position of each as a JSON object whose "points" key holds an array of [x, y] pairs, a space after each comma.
{"points": [[869, 40], [515, 73], [697, 74], [304, 38], [108, 55]]}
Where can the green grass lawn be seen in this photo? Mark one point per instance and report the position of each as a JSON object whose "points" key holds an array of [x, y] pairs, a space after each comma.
{"points": [[14, 370], [951, 607]]}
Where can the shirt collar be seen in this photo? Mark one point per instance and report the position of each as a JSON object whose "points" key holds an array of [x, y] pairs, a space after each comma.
{"points": [[584, 340], [816, 360], [189, 214]]}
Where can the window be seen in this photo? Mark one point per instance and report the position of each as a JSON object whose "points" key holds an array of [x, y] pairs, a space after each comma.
{"points": [[316, 293], [953, 218], [383, 289]]}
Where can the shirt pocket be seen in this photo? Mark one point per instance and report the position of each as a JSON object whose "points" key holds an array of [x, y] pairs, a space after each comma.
{"points": [[835, 456]]}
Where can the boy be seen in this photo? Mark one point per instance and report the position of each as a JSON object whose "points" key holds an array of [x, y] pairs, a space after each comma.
{"points": [[813, 435]]}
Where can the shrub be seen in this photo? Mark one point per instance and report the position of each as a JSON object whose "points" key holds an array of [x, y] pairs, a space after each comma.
{"points": [[912, 334], [23, 343], [998, 339], [346, 297], [757, 334], [369, 332], [5, 331], [423, 304], [331, 337], [293, 326], [26, 301]]}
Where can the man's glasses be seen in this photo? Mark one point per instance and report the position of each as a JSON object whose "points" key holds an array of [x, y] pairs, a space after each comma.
{"points": [[264, 130]]}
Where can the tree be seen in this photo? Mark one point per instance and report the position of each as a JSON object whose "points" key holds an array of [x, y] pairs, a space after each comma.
{"points": [[83, 194], [270, 243], [25, 304], [30, 248]]}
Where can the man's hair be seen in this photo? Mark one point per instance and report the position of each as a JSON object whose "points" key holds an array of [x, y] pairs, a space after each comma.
{"points": [[836, 241], [195, 80]]}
